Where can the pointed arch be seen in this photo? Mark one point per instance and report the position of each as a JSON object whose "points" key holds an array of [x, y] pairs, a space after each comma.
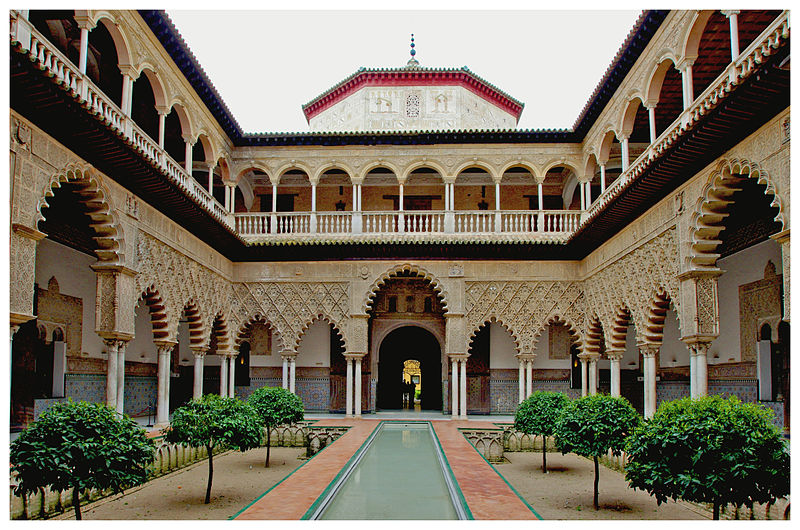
{"points": [[494, 320], [246, 328], [197, 336], [103, 219], [159, 318], [656, 314], [392, 272], [711, 209], [619, 328], [321, 317], [559, 319]]}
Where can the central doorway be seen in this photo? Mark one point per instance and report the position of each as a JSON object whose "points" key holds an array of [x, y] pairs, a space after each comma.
{"points": [[401, 345]]}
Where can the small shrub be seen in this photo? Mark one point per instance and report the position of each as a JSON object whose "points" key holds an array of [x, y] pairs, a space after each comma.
{"points": [[537, 415], [275, 406]]}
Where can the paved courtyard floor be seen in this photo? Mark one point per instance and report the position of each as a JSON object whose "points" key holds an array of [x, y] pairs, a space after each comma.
{"points": [[244, 489]]}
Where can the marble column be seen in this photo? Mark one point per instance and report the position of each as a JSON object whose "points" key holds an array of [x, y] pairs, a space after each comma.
{"points": [[349, 388], [121, 377], [593, 374], [584, 376], [357, 405], [285, 373], [463, 393], [162, 116], [688, 84], [521, 379], [615, 357], [232, 376], [649, 352], [187, 161], [540, 192], [454, 387], [199, 359], [84, 49], [528, 377], [626, 158], [162, 405], [223, 374], [211, 178], [602, 178], [698, 351], [112, 347], [651, 114], [733, 19], [292, 373]]}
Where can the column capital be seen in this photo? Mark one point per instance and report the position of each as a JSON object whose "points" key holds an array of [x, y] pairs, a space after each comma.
{"points": [[187, 138], [164, 346], [648, 349], [615, 355], [458, 356], [127, 69], [354, 356], [199, 351], [697, 346], [114, 337], [84, 22], [685, 63], [730, 12], [288, 354], [525, 356]]}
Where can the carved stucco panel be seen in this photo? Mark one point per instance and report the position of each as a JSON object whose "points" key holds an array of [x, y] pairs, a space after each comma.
{"points": [[632, 280]]}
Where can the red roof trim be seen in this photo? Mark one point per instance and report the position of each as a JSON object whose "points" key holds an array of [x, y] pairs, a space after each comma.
{"points": [[412, 78]]}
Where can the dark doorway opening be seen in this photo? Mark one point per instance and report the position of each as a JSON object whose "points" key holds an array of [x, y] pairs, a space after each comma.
{"points": [[403, 344]]}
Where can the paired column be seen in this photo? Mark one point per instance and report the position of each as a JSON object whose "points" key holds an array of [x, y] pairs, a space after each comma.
{"points": [[649, 352], [525, 375], [353, 388], [698, 369], [588, 185], [615, 356], [199, 360], [127, 91], [162, 404], [583, 358], [459, 385], [288, 372]]}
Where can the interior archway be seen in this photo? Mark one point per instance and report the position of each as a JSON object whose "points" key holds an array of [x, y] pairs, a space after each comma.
{"points": [[403, 344]]}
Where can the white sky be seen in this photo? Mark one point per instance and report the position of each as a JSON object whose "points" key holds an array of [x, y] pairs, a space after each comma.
{"points": [[266, 64]]}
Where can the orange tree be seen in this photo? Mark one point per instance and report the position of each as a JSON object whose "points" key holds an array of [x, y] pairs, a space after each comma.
{"points": [[275, 406], [82, 446], [215, 422], [713, 450], [593, 425], [537, 415]]}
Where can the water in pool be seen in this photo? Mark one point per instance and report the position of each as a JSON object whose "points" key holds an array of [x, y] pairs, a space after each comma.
{"points": [[399, 477]]}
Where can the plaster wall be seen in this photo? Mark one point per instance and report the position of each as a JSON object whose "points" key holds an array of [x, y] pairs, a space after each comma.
{"points": [[384, 109], [740, 268], [141, 348], [75, 278], [315, 346], [502, 349]]}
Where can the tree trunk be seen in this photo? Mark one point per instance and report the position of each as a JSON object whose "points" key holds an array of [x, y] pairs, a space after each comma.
{"points": [[266, 464], [76, 503], [596, 481], [544, 454], [210, 472], [715, 515]]}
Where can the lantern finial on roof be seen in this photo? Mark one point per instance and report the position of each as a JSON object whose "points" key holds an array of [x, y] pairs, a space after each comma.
{"points": [[413, 61]]}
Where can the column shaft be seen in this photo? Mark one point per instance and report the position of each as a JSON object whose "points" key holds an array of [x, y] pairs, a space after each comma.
{"points": [[734, 25], [584, 378], [651, 114], [161, 124], [232, 376], [210, 179], [357, 396], [126, 95], [521, 379], [313, 197], [626, 161], [285, 373], [463, 384], [588, 194], [197, 387], [602, 178], [583, 195], [274, 198], [111, 374], [593, 377], [497, 196], [162, 406], [121, 378], [454, 388], [615, 376], [223, 376], [292, 371], [540, 191], [349, 389], [528, 378], [187, 161], [84, 50], [401, 197]]}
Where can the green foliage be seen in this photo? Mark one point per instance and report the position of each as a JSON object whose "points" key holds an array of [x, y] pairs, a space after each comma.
{"points": [[538, 414], [591, 425], [214, 421], [83, 446], [710, 450], [276, 406]]}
